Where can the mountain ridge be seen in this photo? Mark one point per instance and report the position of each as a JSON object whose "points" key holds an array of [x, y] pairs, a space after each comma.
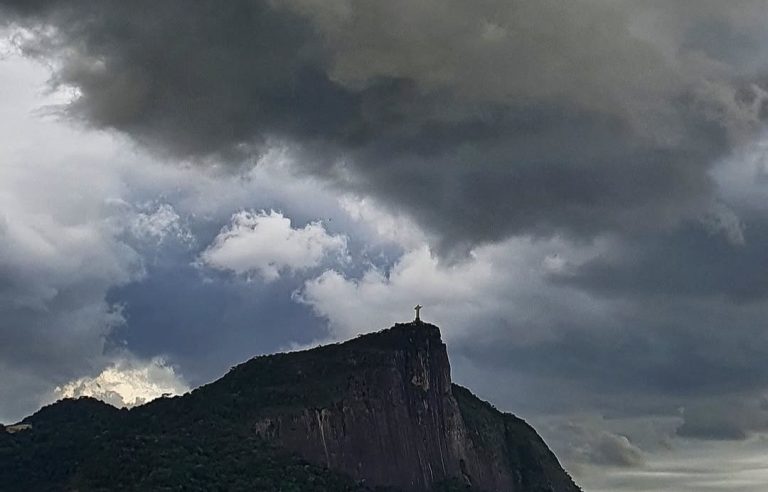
{"points": [[379, 410]]}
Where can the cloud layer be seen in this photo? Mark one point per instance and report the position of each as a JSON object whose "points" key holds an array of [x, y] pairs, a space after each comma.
{"points": [[479, 121]]}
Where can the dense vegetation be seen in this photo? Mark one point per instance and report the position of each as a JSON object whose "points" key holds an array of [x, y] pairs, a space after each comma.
{"points": [[87, 445], [187, 443]]}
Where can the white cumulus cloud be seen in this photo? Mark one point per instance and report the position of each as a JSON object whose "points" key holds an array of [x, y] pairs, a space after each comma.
{"points": [[265, 243], [501, 285], [127, 383]]}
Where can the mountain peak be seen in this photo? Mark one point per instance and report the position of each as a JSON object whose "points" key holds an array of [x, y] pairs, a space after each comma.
{"points": [[380, 409], [402, 335]]}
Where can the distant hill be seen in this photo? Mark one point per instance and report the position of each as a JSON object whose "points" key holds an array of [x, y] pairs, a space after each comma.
{"points": [[378, 412]]}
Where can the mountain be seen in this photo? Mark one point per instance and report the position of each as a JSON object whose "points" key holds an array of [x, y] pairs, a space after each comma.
{"points": [[378, 412]]}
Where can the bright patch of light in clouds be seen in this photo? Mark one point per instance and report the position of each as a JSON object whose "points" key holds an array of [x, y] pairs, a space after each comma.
{"points": [[265, 243], [398, 229], [127, 383]]}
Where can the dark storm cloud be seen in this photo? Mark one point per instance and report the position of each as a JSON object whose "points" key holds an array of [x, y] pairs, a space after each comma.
{"points": [[724, 419], [195, 78], [646, 358], [481, 120], [712, 428], [690, 262]]}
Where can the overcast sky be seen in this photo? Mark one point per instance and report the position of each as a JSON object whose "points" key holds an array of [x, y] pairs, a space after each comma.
{"points": [[576, 192]]}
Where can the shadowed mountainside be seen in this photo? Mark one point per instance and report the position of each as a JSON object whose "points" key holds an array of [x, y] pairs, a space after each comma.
{"points": [[378, 412]]}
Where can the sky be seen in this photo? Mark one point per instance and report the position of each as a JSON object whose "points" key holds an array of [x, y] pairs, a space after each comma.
{"points": [[574, 191]]}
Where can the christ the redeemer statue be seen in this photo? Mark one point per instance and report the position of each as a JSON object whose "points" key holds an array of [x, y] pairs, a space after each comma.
{"points": [[417, 309]]}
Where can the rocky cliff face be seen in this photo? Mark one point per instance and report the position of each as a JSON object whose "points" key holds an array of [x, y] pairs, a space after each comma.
{"points": [[395, 419], [379, 410]]}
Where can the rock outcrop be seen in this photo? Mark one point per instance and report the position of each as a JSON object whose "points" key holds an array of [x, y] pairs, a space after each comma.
{"points": [[391, 416]]}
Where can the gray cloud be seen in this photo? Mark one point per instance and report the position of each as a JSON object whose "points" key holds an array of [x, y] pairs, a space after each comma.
{"points": [[479, 121], [55, 270], [708, 428], [690, 262], [601, 447], [724, 419], [644, 357]]}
